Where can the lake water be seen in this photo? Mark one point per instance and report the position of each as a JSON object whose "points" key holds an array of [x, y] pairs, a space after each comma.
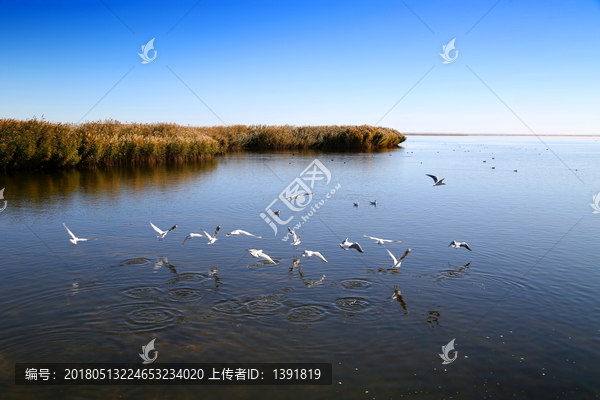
{"points": [[523, 306]]}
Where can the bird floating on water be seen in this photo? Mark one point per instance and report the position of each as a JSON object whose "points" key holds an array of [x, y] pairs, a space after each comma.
{"points": [[356, 204], [211, 239], [457, 245], [308, 253], [436, 180], [346, 245], [278, 212], [397, 262], [373, 203], [241, 232], [296, 239], [161, 234], [381, 241], [75, 238], [259, 253]]}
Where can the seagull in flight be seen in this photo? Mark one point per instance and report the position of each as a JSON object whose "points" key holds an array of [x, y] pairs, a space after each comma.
{"points": [[457, 245], [211, 239], [346, 245], [241, 232], [296, 238], [381, 241], [308, 253], [398, 261], [259, 253], [161, 234], [297, 195], [373, 203], [436, 180], [75, 238], [191, 235]]}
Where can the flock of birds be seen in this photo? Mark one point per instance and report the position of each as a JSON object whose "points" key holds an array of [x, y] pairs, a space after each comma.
{"points": [[345, 245]]}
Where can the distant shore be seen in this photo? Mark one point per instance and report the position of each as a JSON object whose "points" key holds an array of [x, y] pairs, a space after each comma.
{"points": [[34, 144], [494, 134]]}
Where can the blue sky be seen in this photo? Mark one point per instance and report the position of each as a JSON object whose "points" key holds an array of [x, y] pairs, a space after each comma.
{"points": [[307, 63]]}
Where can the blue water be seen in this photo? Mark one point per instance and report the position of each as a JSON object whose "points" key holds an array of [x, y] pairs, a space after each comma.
{"points": [[522, 306]]}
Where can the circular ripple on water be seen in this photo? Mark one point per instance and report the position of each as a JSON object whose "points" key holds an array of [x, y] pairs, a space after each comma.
{"points": [[229, 307], [148, 319], [306, 314], [142, 292], [185, 294], [265, 305], [355, 284], [352, 304]]}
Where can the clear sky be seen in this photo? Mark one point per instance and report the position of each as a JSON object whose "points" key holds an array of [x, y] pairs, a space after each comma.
{"points": [[307, 63]]}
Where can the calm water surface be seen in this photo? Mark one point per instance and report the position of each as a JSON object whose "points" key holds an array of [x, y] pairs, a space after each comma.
{"points": [[523, 305]]}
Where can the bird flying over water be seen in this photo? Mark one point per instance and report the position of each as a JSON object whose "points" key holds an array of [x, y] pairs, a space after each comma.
{"points": [[297, 195], [161, 234], [457, 245], [259, 253], [211, 239], [296, 239], [381, 241], [346, 245], [75, 238], [241, 232], [190, 236], [436, 180], [398, 262], [308, 253]]}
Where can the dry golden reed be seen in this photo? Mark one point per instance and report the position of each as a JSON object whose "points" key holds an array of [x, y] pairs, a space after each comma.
{"points": [[37, 144]]}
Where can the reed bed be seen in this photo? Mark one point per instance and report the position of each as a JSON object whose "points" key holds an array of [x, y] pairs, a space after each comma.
{"points": [[41, 144]]}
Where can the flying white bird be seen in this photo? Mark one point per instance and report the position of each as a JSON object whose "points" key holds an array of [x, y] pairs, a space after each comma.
{"points": [[398, 262], [259, 253], [296, 239], [211, 239], [346, 245], [297, 195], [241, 232], [436, 180], [381, 241], [161, 234], [191, 235], [308, 253], [457, 245], [373, 203], [75, 238]]}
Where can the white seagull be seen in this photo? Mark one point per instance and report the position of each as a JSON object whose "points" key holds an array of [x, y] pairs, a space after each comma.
{"points": [[191, 235], [308, 253], [259, 253], [346, 245], [211, 239], [457, 245], [75, 238], [296, 238], [161, 234], [381, 241], [296, 196], [398, 261], [241, 232], [436, 180]]}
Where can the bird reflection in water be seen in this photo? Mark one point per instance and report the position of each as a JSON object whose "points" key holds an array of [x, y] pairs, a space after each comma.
{"points": [[308, 283], [72, 292], [398, 297], [213, 274], [455, 272], [159, 263]]}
